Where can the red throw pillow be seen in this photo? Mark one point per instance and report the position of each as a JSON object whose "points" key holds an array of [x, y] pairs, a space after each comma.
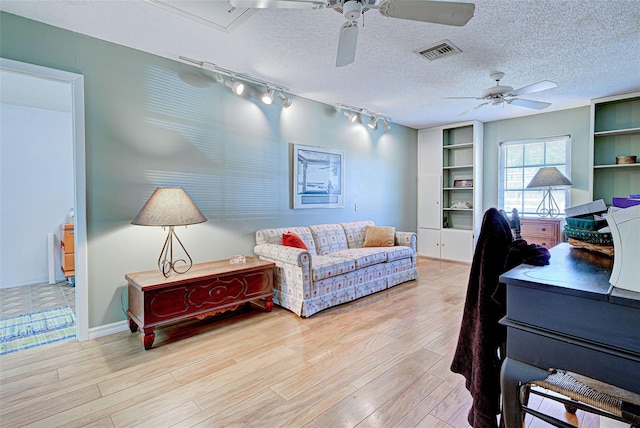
{"points": [[290, 239]]}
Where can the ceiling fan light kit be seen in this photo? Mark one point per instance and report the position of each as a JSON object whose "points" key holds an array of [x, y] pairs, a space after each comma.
{"points": [[499, 94]]}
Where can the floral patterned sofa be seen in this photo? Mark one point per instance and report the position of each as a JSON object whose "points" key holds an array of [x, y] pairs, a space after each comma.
{"points": [[335, 268]]}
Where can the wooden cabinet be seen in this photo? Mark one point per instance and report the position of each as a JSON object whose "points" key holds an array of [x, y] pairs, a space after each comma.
{"points": [[542, 231], [449, 190], [615, 131], [67, 250], [205, 290]]}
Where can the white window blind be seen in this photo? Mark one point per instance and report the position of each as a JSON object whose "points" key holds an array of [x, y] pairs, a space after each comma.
{"points": [[520, 161]]}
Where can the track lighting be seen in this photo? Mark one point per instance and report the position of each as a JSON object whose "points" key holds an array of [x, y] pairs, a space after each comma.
{"points": [[239, 81], [351, 115], [267, 97], [286, 101], [353, 112], [373, 122], [235, 86]]}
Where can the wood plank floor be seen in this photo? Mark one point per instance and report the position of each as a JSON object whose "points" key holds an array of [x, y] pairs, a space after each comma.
{"points": [[381, 361]]}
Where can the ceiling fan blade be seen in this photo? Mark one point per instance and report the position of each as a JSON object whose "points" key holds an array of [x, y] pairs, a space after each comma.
{"points": [[472, 109], [280, 4], [536, 87], [462, 98], [347, 44], [437, 12], [538, 105]]}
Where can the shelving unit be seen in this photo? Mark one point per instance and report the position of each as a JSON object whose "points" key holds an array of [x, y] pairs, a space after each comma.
{"points": [[449, 190], [615, 131]]}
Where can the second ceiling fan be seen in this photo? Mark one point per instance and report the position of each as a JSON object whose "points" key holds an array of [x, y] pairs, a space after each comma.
{"points": [[437, 12]]}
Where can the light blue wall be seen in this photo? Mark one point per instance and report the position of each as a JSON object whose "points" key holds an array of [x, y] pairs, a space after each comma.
{"points": [[151, 121], [573, 122]]}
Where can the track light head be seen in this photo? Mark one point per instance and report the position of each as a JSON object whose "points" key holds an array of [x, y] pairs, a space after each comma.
{"points": [[385, 125], [373, 122], [286, 101], [267, 97], [351, 115], [235, 86]]}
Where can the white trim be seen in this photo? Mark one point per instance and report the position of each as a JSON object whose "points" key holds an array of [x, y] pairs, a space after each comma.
{"points": [[108, 329], [77, 89]]}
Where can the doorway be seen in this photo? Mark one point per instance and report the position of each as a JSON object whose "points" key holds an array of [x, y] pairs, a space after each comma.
{"points": [[71, 88]]}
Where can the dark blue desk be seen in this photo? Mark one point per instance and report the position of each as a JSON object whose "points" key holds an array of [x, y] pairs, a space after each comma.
{"points": [[567, 316]]}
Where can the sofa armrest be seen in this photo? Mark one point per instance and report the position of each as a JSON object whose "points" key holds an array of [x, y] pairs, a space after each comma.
{"points": [[284, 254], [407, 239]]}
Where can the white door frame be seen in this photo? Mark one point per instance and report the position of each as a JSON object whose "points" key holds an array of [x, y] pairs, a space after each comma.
{"points": [[76, 81]]}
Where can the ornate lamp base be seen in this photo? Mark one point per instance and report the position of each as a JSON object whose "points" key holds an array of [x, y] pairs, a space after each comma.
{"points": [[166, 263]]}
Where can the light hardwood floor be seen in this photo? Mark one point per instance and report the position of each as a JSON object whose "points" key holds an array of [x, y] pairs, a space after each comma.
{"points": [[381, 361]]}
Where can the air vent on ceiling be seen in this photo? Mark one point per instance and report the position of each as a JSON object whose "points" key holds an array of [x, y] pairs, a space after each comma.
{"points": [[439, 50]]}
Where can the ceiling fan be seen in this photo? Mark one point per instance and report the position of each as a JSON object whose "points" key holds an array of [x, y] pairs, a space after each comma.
{"points": [[437, 12], [499, 94]]}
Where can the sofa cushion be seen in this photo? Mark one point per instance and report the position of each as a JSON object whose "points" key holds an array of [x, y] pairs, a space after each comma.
{"points": [[398, 252], [274, 236], [379, 236], [291, 239], [323, 267], [362, 256], [355, 232], [328, 238]]}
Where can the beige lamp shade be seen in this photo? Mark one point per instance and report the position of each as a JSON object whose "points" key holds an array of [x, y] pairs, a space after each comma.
{"points": [[549, 176], [169, 206]]}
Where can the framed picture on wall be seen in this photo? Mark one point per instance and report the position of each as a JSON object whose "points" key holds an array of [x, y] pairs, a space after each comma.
{"points": [[318, 177]]}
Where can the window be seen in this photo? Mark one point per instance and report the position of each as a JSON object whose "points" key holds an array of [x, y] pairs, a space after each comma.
{"points": [[519, 162]]}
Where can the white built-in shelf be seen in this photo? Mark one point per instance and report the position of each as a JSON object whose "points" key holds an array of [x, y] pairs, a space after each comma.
{"points": [[458, 209], [617, 132], [618, 165], [457, 166], [458, 146], [457, 188]]}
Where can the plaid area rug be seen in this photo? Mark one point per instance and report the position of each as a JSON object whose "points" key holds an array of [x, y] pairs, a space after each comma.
{"points": [[36, 328]]}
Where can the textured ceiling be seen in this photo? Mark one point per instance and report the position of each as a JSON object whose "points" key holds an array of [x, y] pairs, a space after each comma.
{"points": [[591, 48]]}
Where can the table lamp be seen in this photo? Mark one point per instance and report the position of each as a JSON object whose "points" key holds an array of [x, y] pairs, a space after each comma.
{"points": [[548, 178], [169, 207]]}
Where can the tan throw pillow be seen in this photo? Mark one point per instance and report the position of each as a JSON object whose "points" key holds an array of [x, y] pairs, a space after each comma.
{"points": [[379, 236]]}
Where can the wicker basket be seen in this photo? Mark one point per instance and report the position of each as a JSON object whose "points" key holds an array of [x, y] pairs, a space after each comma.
{"points": [[589, 236], [585, 222]]}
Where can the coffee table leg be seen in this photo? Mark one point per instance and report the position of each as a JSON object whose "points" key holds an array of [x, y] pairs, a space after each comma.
{"points": [[146, 337]]}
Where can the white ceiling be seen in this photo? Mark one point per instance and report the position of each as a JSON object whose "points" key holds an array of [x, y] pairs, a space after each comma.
{"points": [[591, 48]]}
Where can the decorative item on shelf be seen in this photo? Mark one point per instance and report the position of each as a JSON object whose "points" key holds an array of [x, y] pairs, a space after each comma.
{"points": [[625, 160], [548, 178], [461, 205], [463, 183], [169, 207]]}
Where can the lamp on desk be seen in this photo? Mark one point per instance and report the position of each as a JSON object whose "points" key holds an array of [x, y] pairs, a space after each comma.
{"points": [[169, 207], [548, 178]]}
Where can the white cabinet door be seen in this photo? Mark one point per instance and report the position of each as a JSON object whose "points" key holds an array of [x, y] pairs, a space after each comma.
{"points": [[456, 245], [430, 151], [429, 195], [429, 242]]}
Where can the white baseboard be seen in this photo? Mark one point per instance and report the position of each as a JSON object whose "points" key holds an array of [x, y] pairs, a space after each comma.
{"points": [[106, 330]]}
